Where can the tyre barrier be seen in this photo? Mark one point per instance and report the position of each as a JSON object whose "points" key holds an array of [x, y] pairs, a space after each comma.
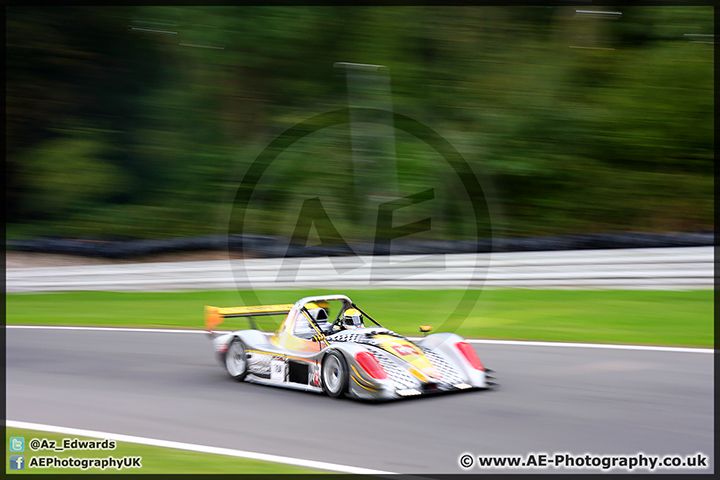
{"points": [[268, 246]]}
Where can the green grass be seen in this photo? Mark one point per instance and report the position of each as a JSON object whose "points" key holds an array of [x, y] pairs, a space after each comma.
{"points": [[154, 459], [681, 318]]}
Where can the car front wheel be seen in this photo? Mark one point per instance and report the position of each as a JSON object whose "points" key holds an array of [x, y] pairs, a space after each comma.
{"points": [[334, 374]]}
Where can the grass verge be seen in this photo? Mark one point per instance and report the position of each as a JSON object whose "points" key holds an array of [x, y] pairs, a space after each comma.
{"points": [[679, 318]]}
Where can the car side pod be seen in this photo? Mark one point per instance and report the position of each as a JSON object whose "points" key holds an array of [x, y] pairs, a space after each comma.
{"points": [[470, 355], [472, 358], [450, 345]]}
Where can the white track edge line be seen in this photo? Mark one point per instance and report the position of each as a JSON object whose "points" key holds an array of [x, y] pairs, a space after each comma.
{"points": [[106, 329], [530, 343], [524, 343], [197, 448]]}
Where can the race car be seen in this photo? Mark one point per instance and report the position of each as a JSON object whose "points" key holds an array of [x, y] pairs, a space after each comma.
{"points": [[343, 357]]}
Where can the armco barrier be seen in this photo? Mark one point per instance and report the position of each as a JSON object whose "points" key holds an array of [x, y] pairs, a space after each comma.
{"points": [[650, 268]]}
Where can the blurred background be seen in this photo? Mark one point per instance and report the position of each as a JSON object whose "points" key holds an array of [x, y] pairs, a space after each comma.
{"points": [[141, 121]]}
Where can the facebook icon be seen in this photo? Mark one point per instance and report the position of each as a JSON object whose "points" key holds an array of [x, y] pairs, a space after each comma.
{"points": [[17, 462]]}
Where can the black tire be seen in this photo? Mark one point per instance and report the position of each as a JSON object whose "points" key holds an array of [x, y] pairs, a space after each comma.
{"points": [[334, 374], [236, 360]]}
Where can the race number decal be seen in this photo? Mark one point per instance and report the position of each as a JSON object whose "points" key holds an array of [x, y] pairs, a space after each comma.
{"points": [[314, 375], [404, 349], [277, 370]]}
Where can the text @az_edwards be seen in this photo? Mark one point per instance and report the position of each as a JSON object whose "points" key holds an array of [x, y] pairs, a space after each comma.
{"points": [[44, 444], [585, 461]]}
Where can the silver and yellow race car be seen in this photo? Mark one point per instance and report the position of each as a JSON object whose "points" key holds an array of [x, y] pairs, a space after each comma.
{"points": [[344, 356]]}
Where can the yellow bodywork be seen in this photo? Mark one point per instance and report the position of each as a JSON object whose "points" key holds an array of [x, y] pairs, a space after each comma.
{"points": [[285, 339], [421, 366]]}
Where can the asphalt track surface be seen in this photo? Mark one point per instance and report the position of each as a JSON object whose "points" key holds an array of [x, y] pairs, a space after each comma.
{"points": [[551, 399]]}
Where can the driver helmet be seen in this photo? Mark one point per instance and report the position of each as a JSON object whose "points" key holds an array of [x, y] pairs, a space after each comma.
{"points": [[318, 310], [352, 318]]}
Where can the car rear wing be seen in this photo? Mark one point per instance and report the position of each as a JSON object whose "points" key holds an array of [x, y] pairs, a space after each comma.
{"points": [[214, 316]]}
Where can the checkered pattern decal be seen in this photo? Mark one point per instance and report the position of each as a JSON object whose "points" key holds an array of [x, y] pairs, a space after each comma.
{"points": [[389, 362], [396, 373], [363, 338], [449, 374], [347, 337], [259, 364]]}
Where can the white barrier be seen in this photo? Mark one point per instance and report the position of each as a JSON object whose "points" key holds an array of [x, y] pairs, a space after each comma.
{"points": [[680, 268]]}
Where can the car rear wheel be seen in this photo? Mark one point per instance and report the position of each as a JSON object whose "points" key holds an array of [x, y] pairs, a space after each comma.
{"points": [[334, 374], [236, 359]]}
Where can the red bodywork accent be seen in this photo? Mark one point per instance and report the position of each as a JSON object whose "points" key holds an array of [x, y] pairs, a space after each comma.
{"points": [[370, 364], [469, 353]]}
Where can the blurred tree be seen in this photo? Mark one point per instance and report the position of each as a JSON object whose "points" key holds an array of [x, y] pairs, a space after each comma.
{"points": [[585, 122], [75, 70]]}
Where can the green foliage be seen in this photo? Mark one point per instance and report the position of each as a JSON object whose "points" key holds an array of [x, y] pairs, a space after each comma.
{"points": [[65, 174], [577, 124]]}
